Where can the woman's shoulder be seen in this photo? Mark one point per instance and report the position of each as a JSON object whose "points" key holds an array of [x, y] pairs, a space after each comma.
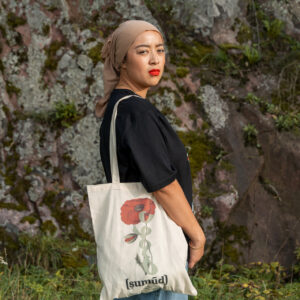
{"points": [[135, 105]]}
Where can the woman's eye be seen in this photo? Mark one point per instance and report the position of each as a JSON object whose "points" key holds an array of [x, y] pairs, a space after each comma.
{"points": [[145, 51]]}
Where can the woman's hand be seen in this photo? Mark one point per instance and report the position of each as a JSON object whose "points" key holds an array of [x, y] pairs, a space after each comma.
{"points": [[174, 202], [196, 250]]}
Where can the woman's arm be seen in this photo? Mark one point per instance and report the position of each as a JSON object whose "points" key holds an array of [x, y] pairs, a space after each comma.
{"points": [[174, 202]]}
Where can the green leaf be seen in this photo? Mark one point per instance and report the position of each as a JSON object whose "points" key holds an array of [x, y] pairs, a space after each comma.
{"points": [[130, 238], [135, 230]]}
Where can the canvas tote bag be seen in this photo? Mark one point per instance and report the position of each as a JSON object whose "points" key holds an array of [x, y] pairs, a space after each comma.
{"points": [[139, 248]]}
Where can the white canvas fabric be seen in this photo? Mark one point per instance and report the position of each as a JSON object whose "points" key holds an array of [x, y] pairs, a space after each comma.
{"points": [[139, 248]]}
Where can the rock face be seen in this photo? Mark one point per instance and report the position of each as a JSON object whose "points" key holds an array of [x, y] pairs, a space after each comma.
{"points": [[201, 15], [235, 107], [267, 186], [271, 205]]}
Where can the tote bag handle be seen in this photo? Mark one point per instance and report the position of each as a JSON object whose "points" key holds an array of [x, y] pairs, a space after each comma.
{"points": [[115, 175]]}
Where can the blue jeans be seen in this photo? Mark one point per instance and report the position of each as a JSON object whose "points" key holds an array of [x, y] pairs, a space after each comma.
{"points": [[158, 295]]}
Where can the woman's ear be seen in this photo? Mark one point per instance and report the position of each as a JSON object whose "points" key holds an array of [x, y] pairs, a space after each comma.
{"points": [[123, 65]]}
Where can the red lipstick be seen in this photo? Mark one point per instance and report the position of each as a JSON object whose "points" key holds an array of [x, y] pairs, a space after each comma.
{"points": [[154, 72]]}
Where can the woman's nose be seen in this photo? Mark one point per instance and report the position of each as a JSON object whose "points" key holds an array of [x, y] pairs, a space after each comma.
{"points": [[154, 57]]}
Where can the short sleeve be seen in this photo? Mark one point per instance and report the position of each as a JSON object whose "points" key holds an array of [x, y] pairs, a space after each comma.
{"points": [[143, 139]]}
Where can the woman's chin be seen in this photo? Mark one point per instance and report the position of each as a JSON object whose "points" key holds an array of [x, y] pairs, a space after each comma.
{"points": [[154, 81]]}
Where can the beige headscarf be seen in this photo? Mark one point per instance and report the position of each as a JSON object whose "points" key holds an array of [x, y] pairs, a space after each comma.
{"points": [[114, 50]]}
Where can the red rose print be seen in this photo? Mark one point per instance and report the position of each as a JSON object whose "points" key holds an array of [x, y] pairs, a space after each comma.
{"points": [[131, 209]]}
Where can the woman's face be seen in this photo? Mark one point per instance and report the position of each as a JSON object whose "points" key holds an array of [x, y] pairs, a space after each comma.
{"points": [[145, 54]]}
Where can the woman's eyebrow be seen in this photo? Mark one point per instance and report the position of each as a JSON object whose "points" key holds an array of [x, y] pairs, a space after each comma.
{"points": [[144, 45]]}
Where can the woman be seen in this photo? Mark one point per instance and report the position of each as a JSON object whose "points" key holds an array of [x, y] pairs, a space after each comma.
{"points": [[148, 149]]}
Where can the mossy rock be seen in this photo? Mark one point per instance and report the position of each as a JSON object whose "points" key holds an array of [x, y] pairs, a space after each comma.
{"points": [[166, 111], [3, 31], [91, 39], [52, 59], [228, 46], [190, 97], [90, 80], [63, 115], [50, 197], [226, 165], [48, 227], [46, 29], [200, 149], [13, 20], [27, 169], [66, 218], [250, 135], [50, 63], [8, 242], [206, 211], [177, 101], [54, 46], [232, 253], [30, 219], [232, 237], [52, 8], [199, 53], [11, 89], [2, 68], [76, 49], [182, 72], [205, 190], [19, 39], [193, 117], [95, 53], [19, 186], [22, 57], [205, 125], [13, 206], [178, 121], [245, 34]]}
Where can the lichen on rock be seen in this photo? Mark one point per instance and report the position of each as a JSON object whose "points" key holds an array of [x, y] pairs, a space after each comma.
{"points": [[82, 143], [165, 102], [216, 109]]}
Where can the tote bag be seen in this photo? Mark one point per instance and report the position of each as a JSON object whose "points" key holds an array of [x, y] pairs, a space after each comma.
{"points": [[139, 248]]}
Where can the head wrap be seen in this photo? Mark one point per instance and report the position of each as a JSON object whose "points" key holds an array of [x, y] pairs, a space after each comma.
{"points": [[114, 51]]}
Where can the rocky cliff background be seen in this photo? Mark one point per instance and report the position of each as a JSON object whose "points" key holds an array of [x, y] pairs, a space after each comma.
{"points": [[231, 89]]}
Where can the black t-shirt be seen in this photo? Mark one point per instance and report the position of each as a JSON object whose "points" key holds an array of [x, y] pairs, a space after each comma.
{"points": [[148, 148]]}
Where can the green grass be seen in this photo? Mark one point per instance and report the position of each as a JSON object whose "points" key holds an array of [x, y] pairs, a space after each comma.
{"points": [[258, 281], [38, 283], [41, 271], [43, 266]]}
